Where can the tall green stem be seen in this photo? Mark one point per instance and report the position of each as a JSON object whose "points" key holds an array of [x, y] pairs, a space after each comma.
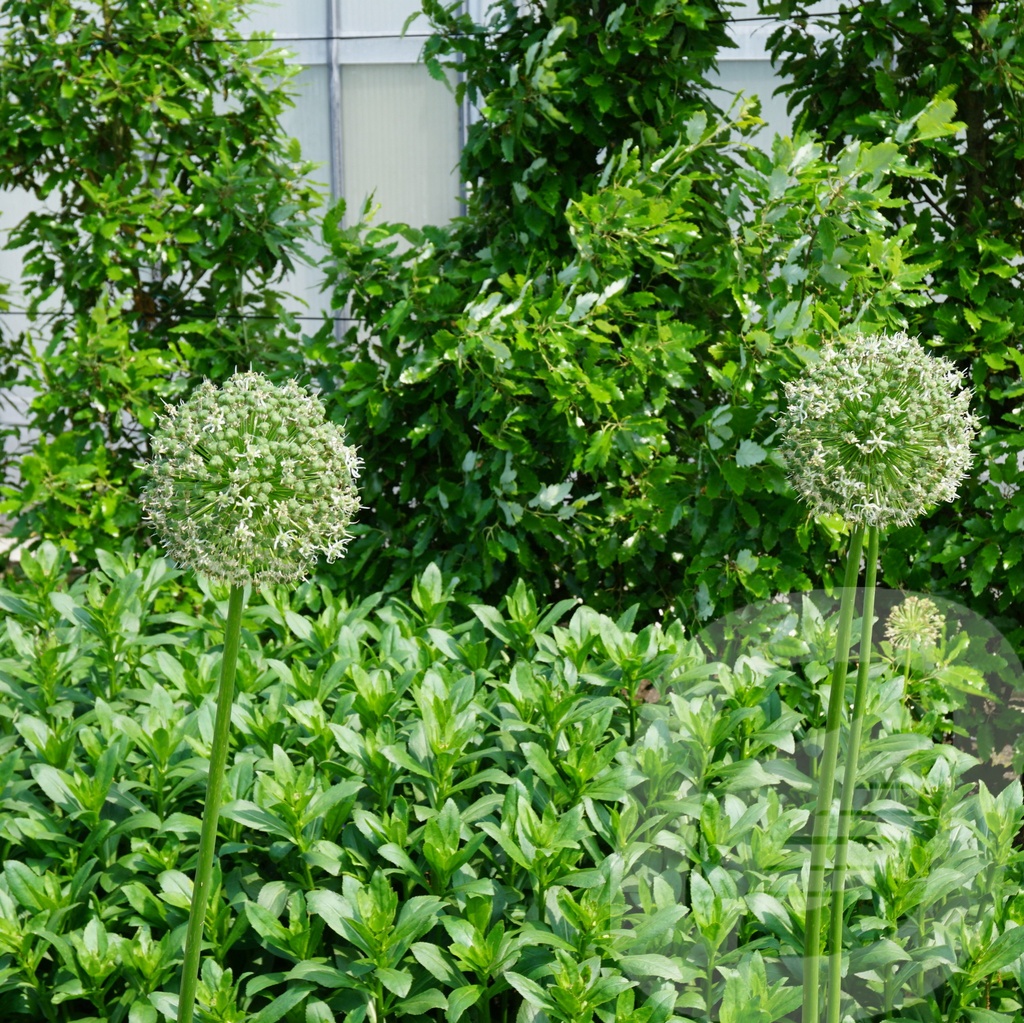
{"points": [[835, 962], [826, 782], [211, 811]]}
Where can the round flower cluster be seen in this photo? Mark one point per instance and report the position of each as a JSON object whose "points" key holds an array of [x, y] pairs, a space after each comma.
{"points": [[878, 431], [249, 482], [916, 620]]}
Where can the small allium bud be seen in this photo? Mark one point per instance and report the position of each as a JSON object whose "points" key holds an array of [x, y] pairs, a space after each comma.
{"points": [[914, 621], [249, 482], [878, 431]]}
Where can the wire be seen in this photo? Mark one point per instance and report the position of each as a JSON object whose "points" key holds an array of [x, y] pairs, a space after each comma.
{"points": [[360, 37], [316, 39], [363, 36], [199, 316]]}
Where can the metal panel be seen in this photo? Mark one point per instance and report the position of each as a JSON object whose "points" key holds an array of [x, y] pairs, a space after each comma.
{"points": [[387, 49], [401, 143], [299, 25], [17, 203], [15, 401], [753, 78], [288, 18], [310, 122], [751, 39], [378, 17], [745, 9]]}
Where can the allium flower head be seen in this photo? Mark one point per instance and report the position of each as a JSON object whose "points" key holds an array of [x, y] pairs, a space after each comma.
{"points": [[249, 482], [878, 431], [915, 620]]}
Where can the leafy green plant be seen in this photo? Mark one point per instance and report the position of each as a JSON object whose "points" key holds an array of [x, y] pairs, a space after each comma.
{"points": [[865, 74], [362, 871], [606, 427], [552, 102], [175, 204]]}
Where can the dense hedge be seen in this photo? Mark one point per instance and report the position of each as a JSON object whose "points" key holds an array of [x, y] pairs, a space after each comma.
{"points": [[577, 383]]}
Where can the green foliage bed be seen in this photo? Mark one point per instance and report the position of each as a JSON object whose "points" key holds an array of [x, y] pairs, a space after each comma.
{"points": [[445, 810]]}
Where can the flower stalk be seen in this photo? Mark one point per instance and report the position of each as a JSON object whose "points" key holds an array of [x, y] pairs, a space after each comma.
{"points": [[211, 808], [249, 484], [826, 784], [877, 431], [835, 962]]}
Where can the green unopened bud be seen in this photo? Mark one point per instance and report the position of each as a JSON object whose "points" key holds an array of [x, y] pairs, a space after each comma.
{"points": [[916, 620]]}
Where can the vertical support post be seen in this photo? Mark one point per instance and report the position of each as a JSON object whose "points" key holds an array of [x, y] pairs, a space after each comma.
{"points": [[464, 123], [335, 119]]}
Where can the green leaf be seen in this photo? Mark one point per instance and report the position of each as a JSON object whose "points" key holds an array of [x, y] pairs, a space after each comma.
{"points": [[422, 1003], [983, 567], [882, 952], [300, 626], [55, 784], [702, 901], [531, 991], [327, 976], [462, 999], [977, 1015], [746, 560], [1006, 949], [433, 959], [936, 120], [696, 126], [25, 884], [398, 982], [748, 453], [492, 621], [428, 590], [552, 496], [142, 1012], [418, 915], [252, 816], [332, 909], [267, 925], [176, 888], [74, 613], [651, 965], [886, 88], [281, 1005], [319, 1012], [876, 160]]}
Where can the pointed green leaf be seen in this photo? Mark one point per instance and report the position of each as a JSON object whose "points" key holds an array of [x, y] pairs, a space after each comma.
{"points": [[461, 999], [252, 816]]}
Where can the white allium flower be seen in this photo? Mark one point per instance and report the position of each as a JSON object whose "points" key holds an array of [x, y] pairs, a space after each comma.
{"points": [[917, 620], [218, 492], [878, 431]]}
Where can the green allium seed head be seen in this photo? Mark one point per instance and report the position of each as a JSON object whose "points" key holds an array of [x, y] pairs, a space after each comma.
{"points": [[914, 621], [249, 482], [878, 431]]}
